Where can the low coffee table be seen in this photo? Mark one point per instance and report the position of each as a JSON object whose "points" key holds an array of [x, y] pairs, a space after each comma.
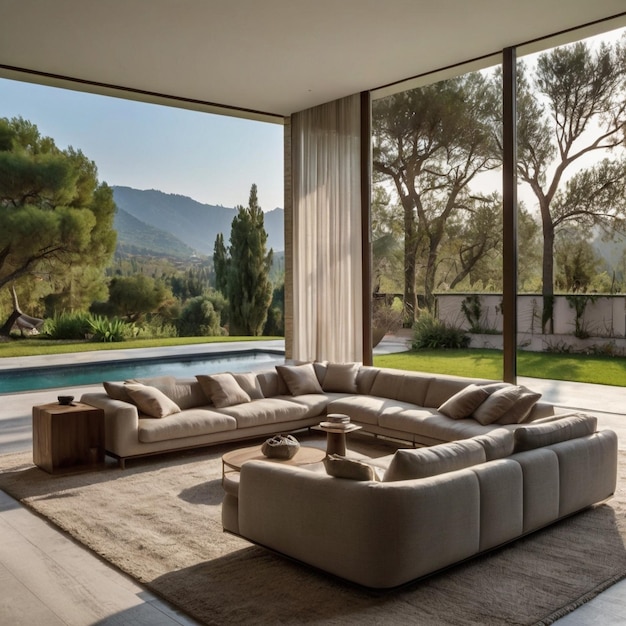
{"points": [[336, 436], [234, 459]]}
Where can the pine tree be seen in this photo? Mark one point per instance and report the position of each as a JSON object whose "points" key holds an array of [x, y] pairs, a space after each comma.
{"points": [[220, 264], [249, 290]]}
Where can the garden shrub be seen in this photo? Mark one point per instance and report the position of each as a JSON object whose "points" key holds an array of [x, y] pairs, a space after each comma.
{"points": [[68, 325], [431, 333], [105, 329]]}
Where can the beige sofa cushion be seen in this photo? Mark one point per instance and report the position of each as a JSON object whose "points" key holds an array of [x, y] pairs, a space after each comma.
{"points": [[117, 391], [353, 469], [271, 383], [189, 423], [300, 379], [151, 401], [422, 462], [363, 409], [222, 389], [498, 443], [548, 433], [407, 387], [463, 403], [365, 378], [249, 382], [429, 426], [266, 411], [187, 393], [510, 404], [441, 389], [341, 377]]}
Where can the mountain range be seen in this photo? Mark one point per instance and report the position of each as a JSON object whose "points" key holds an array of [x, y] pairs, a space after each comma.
{"points": [[156, 223]]}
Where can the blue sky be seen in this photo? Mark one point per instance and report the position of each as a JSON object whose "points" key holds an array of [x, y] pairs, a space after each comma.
{"points": [[211, 158]]}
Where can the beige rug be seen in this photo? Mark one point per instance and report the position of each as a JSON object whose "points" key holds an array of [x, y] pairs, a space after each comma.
{"points": [[159, 521]]}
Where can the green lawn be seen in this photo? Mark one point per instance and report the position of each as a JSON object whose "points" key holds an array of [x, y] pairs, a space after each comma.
{"points": [[488, 364], [476, 363]]}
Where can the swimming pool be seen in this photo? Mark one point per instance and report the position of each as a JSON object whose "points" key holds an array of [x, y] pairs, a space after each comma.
{"points": [[12, 381]]}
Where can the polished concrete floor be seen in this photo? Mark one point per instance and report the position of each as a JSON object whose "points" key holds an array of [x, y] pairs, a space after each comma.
{"points": [[48, 579]]}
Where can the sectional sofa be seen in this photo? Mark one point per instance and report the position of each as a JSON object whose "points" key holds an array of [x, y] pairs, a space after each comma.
{"points": [[485, 462], [383, 523], [156, 415]]}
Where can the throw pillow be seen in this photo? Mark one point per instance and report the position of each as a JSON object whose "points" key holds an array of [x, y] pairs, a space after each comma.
{"points": [[300, 379], [342, 467], [341, 377], [117, 391], [407, 464], [508, 405], [539, 435], [222, 389], [151, 401], [463, 403], [250, 384]]}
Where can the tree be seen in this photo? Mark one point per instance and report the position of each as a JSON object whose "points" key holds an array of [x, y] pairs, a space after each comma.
{"points": [[199, 319], [220, 263], [574, 105], [431, 143], [136, 296], [387, 252], [247, 263], [56, 220], [576, 260]]}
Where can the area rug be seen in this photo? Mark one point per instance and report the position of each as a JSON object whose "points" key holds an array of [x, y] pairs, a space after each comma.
{"points": [[159, 521]]}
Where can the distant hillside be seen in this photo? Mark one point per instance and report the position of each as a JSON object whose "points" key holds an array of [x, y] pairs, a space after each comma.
{"points": [[137, 237], [192, 223]]}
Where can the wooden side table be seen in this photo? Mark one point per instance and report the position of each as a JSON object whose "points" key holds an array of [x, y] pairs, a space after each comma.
{"points": [[67, 437], [336, 436]]}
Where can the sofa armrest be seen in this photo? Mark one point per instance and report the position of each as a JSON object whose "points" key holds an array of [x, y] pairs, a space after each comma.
{"points": [[121, 423], [375, 534]]}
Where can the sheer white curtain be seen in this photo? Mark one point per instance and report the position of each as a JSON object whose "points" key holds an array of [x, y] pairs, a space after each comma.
{"points": [[327, 300]]}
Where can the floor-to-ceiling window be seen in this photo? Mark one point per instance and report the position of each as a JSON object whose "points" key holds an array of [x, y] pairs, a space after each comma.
{"points": [[571, 169], [437, 205], [437, 201]]}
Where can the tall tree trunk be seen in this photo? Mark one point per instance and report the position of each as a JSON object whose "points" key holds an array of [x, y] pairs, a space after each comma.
{"points": [[410, 262], [547, 272], [429, 278]]}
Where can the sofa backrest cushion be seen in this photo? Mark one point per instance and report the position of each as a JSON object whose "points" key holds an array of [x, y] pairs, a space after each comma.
{"points": [[463, 403], [397, 385], [151, 401], [271, 383], [408, 464], [249, 382], [222, 389], [300, 379], [187, 393], [441, 389], [342, 467], [548, 433], [365, 378], [498, 443], [509, 404], [414, 387], [341, 377]]}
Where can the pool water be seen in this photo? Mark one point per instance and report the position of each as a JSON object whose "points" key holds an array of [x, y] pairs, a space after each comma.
{"points": [[12, 381]]}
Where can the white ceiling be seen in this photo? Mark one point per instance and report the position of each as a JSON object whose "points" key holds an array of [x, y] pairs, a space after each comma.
{"points": [[270, 56]]}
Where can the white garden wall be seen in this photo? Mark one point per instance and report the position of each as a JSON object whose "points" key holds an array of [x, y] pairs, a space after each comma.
{"points": [[604, 320]]}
